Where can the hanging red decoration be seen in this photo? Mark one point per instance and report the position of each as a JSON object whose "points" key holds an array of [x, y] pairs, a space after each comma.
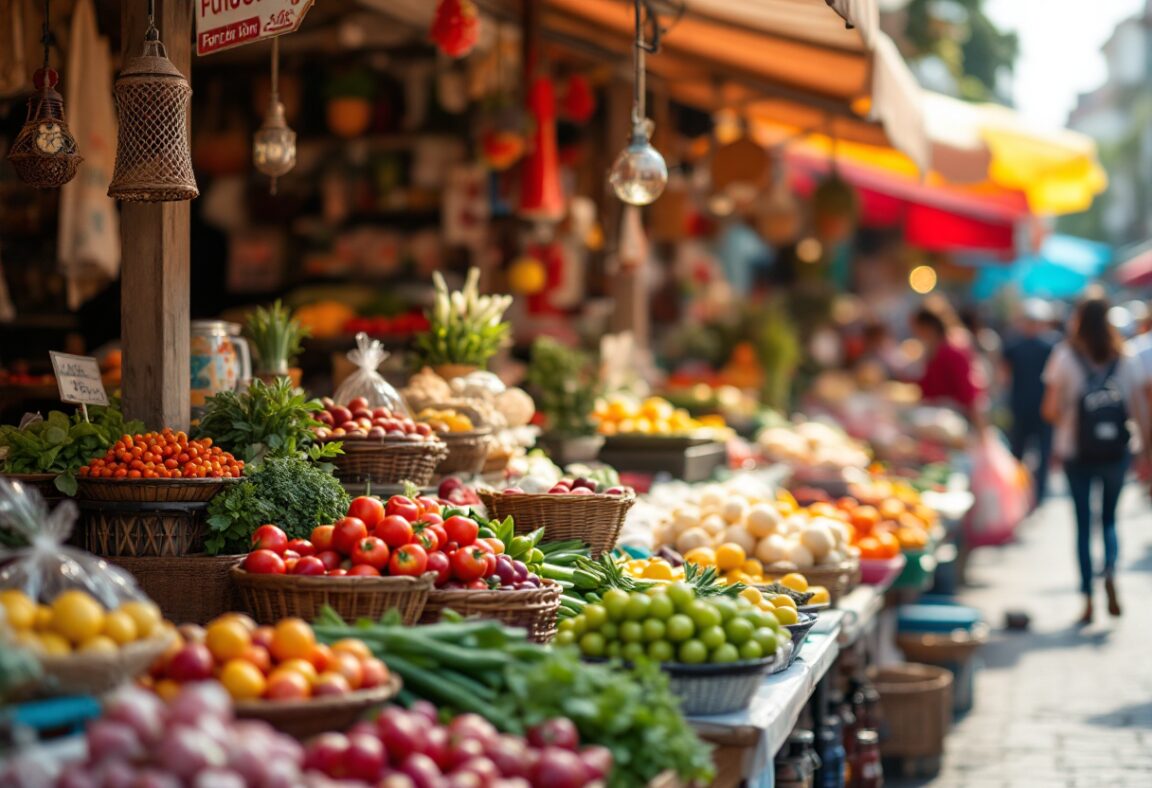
{"points": [[456, 27], [541, 198], [501, 149], [579, 104]]}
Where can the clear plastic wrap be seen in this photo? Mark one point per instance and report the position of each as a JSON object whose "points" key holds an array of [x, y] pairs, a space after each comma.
{"points": [[47, 567], [366, 382]]}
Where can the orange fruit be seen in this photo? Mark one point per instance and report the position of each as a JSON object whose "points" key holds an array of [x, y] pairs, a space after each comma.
{"points": [[258, 656], [353, 646], [287, 685], [730, 556], [292, 638], [239, 618], [869, 547], [889, 544], [350, 667], [865, 518], [242, 679], [321, 657], [301, 666], [227, 639]]}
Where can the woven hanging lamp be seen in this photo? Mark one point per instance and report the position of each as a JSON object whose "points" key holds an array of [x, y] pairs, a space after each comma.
{"points": [[153, 159], [44, 152]]}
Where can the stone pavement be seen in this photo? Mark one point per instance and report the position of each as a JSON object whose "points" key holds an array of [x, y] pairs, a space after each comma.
{"points": [[1057, 705]]}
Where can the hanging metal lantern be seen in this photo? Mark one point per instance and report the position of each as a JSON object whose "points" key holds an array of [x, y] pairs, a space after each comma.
{"points": [[153, 160], [44, 152], [274, 145]]}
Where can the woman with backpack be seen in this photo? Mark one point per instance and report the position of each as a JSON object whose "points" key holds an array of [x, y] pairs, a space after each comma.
{"points": [[1091, 389]]}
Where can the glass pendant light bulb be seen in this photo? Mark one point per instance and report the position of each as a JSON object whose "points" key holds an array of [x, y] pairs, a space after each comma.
{"points": [[639, 174], [274, 144]]}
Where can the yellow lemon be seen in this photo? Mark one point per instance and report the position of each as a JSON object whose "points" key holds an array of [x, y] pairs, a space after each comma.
{"points": [[54, 645], [19, 610], [120, 627], [753, 595], [786, 615], [77, 616], [43, 618], [730, 556], [753, 567], [783, 600], [795, 581], [820, 595], [100, 644], [145, 614], [658, 570], [703, 556]]}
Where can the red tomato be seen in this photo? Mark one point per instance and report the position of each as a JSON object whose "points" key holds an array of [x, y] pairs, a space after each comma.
{"points": [[363, 570], [290, 555], [431, 518], [468, 563], [308, 565], [490, 560], [439, 563], [302, 547], [402, 507], [428, 506], [321, 537], [462, 530], [290, 564], [482, 544], [477, 585], [411, 559], [423, 535], [494, 543], [338, 572], [371, 550], [441, 534], [330, 558], [395, 530], [270, 537], [349, 531], [264, 562], [367, 508]]}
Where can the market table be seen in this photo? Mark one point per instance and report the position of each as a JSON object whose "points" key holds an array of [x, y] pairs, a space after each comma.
{"points": [[860, 608], [747, 741]]}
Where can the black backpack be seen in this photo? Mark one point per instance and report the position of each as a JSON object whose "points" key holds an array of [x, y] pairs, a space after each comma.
{"points": [[1102, 416]]}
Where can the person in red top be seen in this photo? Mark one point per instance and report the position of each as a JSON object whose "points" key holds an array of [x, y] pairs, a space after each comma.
{"points": [[950, 374]]}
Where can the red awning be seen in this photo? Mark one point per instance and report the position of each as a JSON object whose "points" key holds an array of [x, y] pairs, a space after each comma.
{"points": [[1136, 271]]}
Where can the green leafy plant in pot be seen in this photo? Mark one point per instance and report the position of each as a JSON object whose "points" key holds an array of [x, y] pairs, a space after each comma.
{"points": [[465, 328], [565, 386], [275, 336]]}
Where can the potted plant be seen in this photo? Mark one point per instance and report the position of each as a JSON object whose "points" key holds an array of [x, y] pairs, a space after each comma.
{"points": [[565, 386], [275, 336], [465, 329], [349, 109]]}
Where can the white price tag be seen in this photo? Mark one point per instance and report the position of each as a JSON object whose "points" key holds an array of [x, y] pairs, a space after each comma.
{"points": [[78, 378]]}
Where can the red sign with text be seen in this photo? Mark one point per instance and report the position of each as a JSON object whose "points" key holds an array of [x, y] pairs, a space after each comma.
{"points": [[223, 24]]}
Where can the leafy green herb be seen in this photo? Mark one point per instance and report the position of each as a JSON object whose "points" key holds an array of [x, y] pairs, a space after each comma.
{"points": [[275, 337], [464, 327], [267, 420], [565, 387], [289, 491], [60, 443]]}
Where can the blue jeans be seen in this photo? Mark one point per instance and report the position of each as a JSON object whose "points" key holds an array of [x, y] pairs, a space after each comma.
{"points": [[1081, 476]]}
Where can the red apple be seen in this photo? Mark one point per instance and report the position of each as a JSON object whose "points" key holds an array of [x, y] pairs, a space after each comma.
{"points": [[193, 662], [361, 413], [358, 403]]}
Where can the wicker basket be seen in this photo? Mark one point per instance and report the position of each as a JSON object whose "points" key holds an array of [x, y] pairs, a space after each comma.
{"points": [[269, 598], [533, 610], [43, 483], [917, 704], [799, 632], [389, 462], [467, 452], [306, 718], [950, 648], [595, 520], [96, 674], [167, 580], [716, 689], [146, 517], [839, 579]]}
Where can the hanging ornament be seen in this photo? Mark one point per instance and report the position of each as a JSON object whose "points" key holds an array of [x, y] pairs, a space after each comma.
{"points": [[541, 198], [455, 27], [639, 174], [779, 218], [274, 145], [44, 152], [153, 159], [527, 275], [579, 103], [502, 138]]}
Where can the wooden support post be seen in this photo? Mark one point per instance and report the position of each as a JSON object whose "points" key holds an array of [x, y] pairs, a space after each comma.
{"points": [[155, 259]]}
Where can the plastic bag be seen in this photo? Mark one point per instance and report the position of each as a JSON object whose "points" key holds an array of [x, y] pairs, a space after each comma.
{"points": [[1002, 494], [47, 567], [366, 382]]}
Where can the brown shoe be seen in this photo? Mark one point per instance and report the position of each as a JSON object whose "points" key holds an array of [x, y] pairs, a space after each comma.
{"points": [[1113, 599], [1088, 614]]}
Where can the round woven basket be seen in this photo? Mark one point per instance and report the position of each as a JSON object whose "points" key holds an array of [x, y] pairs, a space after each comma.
{"points": [[168, 579], [269, 598], [97, 674], [467, 452], [151, 490], [533, 610], [839, 579], [595, 520], [917, 705], [389, 462], [306, 718], [933, 648], [716, 689]]}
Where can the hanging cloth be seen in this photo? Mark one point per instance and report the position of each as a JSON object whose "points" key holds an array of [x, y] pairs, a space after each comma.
{"points": [[89, 235]]}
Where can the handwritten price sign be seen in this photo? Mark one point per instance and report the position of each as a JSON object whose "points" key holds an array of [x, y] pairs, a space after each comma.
{"points": [[78, 378], [223, 24]]}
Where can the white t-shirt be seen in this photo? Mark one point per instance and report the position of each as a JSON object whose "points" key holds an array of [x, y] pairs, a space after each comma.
{"points": [[1065, 372]]}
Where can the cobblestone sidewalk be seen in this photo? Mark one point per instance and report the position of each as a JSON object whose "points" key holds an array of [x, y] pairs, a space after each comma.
{"points": [[1058, 706]]}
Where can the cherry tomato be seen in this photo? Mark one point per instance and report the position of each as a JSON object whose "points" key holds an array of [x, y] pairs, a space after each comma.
{"points": [[363, 570], [462, 530], [477, 585], [468, 563], [494, 543], [321, 537], [395, 530], [308, 565], [428, 507], [330, 558], [403, 507], [302, 547], [423, 535], [371, 550], [369, 509], [439, 563], [411, 559], [270, 537], [264, 562], [347, 534], [441, 534]]}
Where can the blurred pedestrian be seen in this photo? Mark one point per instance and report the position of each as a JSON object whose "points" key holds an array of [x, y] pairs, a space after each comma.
{"points": [[950, 374], [1024, 358], [1092, 388]]}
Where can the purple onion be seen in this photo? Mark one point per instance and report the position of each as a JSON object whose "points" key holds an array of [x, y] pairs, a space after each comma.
{"points": [[505, 570], [521, 570]]}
